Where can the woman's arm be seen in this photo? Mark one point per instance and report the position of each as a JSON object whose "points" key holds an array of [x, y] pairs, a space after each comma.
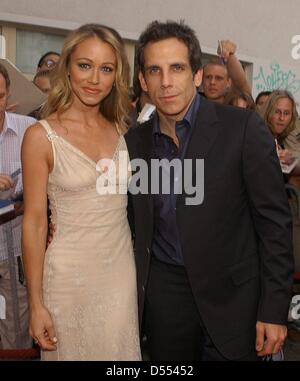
{"points": [[37, 161]]}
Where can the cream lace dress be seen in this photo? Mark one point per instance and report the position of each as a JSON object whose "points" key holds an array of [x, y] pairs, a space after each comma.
{"points": [[89, 280]]}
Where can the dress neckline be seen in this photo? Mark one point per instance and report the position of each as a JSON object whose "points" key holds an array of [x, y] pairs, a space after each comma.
{"points": [[80, 152]]}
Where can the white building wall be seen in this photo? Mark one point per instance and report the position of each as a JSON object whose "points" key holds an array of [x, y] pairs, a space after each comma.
{"points": [[262, 29]]}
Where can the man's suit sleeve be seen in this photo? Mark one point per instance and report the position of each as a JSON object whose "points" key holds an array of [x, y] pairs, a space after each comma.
{"points": [[272, 220]]}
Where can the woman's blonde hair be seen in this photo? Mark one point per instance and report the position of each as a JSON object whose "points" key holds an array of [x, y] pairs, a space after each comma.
{"points": [[116, 106], [269, 108]]}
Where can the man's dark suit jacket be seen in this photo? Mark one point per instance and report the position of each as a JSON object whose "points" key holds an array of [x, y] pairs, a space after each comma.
{"points": [[237, 244]]}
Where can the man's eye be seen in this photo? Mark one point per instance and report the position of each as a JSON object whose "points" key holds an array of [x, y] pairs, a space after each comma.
{"points": [[153, 70], [177, 67], [84, 66]]}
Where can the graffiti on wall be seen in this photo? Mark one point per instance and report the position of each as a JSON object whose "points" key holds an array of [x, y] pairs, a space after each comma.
{"points": [[274, 77]]}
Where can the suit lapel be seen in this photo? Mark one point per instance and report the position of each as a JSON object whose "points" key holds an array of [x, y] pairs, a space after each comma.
{"points": [[203, 136], [205, 131], [145, 153]]}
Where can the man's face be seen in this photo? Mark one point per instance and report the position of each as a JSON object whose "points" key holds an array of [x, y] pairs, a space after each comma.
{"points": [[4, 94], [49, 62], [215, 82], [43, 83], [168, 78]]}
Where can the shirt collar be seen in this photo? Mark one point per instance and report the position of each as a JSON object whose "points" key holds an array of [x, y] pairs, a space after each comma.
{"points": [[188, 119], [9, 125]]}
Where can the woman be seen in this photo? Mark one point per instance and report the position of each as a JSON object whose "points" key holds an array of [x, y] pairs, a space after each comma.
{"points": [[239, 99], [280, 115], [82, 291]]}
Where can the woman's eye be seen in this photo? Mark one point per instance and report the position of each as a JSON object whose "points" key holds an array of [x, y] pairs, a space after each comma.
{"points": [[107, 69], [84, 66]]}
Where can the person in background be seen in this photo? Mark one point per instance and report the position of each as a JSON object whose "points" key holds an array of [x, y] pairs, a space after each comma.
{"points": [[280, 115], [42, 80], [223, 74], [48, 61], [238, 99], [14, 327], [261, 99]]}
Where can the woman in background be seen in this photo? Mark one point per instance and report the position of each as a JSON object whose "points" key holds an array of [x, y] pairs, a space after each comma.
{"points": [[280, 115]]}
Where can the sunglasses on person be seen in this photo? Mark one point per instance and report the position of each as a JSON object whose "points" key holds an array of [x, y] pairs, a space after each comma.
{"points": [[49, 63]]}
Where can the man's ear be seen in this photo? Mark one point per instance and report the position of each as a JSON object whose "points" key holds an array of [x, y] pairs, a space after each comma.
{"points": [[143, 82], [198, 77]]}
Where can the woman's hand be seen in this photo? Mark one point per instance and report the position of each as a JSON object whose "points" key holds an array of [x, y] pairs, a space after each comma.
{"points": [[41, 328]]}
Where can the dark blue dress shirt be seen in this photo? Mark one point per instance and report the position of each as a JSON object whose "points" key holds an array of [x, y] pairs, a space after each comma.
{"points": [[166, 244]]}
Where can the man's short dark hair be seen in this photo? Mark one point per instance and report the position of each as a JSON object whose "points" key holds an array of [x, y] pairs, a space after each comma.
{"points": [[5, 75], [262, 94], [158, 31], [45, 55]]}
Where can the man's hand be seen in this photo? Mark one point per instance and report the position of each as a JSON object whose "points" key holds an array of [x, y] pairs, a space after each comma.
{"points": [[269, 338], [6, 182], [226, 49]]}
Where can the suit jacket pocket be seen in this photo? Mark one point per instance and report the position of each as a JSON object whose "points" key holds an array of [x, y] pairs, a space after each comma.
{"points": [[245, 271]]}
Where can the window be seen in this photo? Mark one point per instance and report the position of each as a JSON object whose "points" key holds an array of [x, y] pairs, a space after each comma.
{"points": [[31, 45]]}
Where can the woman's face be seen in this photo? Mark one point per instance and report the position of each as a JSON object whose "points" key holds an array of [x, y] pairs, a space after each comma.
{"points": [[240, 102], [92, 71], [282, 115]]}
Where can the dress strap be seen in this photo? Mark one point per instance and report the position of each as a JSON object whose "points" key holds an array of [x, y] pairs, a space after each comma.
{"points": [[50, 133]]}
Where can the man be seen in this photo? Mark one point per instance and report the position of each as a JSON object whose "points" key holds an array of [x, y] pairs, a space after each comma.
{"points": [[222, 75], [48, 61], [216, 82], [214, 278], [14, 326], [42, 80]]}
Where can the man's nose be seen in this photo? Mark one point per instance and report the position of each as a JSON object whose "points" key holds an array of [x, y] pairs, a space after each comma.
{"points": [[166, 79]]}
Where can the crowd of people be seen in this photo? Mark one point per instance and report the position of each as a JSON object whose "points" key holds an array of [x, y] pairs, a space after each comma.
{"points": [[99, 274]]}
